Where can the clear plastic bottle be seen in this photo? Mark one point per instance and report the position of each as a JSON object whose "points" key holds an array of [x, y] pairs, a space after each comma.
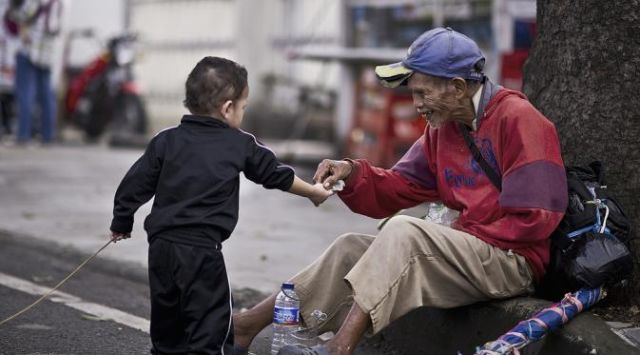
{"points": [[286, 317], [440, 214]]}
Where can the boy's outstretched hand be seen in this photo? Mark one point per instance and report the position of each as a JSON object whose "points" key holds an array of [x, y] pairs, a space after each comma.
{"points": [[319, 194], [116, 236]]}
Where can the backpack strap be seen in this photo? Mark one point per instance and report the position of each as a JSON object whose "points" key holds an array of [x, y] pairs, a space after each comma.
{"points": [[577, 185], [477, 156], [598, 169]]}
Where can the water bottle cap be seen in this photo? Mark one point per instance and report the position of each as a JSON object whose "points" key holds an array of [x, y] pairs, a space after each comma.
{"points": [[287, 285]]}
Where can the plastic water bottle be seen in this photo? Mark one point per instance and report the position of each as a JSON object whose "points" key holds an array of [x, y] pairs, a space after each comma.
{"points": [[440, 214], [286, 317]]}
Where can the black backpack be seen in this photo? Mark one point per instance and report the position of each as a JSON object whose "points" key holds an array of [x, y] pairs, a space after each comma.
{"points": [[589, 248]]}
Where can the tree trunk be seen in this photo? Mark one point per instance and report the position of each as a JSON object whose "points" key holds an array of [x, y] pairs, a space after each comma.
{"points": [[583, 73]]}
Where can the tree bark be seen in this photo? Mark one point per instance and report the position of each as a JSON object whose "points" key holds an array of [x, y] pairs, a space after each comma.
{"points": [[583, 73]]}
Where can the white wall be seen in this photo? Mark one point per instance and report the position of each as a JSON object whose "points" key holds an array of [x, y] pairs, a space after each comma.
{"points": [[258, 34], [174, 36], [106, 18]]}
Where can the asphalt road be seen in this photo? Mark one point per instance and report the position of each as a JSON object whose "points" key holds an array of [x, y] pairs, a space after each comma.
{"points": [[55, 328]]}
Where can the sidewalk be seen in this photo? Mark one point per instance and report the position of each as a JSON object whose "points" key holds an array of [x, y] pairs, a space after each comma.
{"points": [[65, 195]]}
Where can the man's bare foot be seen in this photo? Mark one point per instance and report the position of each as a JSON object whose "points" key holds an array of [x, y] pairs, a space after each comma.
{"points": [[248, 324], [330, 348], [243, 332], [338, 349]]}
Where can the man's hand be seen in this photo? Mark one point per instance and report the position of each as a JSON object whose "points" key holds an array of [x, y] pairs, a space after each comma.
{"points": [[116, 236], [330, 171], [319, 194]]}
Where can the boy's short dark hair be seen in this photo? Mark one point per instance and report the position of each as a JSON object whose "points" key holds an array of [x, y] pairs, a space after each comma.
{"points": [[213, 81]]}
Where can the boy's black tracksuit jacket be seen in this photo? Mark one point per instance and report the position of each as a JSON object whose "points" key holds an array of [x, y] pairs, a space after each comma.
{"points": [[193, 171]]}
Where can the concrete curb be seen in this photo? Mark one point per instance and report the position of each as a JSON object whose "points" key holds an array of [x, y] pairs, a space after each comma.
{"points": [[436, 331], [429, 331]]}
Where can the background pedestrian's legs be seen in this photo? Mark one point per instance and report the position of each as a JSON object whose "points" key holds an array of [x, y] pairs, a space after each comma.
{"points": [[6, 110], [25, 95], [47, 103]]}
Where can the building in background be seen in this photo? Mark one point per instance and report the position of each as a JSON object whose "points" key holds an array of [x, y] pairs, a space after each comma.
{"points": [[310, 61], [258, 34]]}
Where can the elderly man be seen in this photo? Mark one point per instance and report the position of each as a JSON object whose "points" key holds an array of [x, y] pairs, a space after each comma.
{"points": [[498, 247]]}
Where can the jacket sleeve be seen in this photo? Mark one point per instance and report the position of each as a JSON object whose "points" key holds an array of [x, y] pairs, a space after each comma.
{"points": [[534, 187], [379, 193], [262, 167], [137, 187]]}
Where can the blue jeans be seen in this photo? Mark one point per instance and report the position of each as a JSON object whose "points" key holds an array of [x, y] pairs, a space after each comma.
{"points": [[33, 83]]}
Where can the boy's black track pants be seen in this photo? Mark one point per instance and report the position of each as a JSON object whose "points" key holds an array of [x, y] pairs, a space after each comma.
{"points": [[190, 300]]}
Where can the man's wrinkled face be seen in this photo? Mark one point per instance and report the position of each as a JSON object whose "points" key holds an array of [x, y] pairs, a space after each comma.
{"points": [[434, 98]]}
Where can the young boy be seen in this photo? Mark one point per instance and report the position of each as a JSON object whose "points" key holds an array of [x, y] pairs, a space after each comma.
{"points": [[193, 171]]}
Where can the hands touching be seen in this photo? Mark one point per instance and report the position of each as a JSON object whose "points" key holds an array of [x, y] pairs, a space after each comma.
{"points": [[326, 179], [329, 172], [319, 194]]}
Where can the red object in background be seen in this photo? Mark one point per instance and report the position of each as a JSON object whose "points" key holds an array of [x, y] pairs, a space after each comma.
{"points": [[511, 71], [79, 83], [385, 123], [12, 28], [131, 87]]}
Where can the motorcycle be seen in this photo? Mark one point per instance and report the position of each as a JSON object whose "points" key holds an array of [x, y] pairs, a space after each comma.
{"points": [[104, 94]]}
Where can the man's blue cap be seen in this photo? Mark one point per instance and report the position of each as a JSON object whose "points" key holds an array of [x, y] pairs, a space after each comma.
{"points": [[440, 52]]}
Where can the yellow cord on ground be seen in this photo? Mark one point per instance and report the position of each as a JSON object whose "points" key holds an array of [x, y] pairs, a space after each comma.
{"points": [[58, 285]]}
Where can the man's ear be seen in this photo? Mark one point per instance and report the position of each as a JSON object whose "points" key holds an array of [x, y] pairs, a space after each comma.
{"points": [[460, 86], [226, 108]]}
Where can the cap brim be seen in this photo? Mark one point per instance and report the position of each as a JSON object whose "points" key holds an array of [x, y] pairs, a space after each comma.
{"points": [[393, 75]]}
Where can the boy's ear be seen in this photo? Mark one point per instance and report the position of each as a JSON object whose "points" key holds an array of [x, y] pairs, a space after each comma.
{"points": [[226, 108]]}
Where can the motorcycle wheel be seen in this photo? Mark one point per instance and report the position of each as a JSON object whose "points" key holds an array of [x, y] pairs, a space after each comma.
{"points": [[130, 115], [97, 114]]}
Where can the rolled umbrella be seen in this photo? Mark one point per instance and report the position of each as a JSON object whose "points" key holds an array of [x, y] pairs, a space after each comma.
{"points": [[546, 320]]}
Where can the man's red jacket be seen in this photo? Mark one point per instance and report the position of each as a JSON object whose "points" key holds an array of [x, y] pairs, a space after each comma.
{"points": [[516, 140]]}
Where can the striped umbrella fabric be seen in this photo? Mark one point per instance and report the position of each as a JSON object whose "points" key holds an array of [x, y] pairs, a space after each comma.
{"points": [[547, 320]]}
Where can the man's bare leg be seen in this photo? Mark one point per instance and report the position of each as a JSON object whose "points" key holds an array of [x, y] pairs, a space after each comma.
{"points": [[248, 324], [350, 333]]}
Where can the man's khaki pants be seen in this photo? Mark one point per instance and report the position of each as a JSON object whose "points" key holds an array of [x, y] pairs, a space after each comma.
{"points": [[411, 263]]}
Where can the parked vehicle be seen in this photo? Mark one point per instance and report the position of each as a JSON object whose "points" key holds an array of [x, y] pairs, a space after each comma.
{"points": [[104, 95]]}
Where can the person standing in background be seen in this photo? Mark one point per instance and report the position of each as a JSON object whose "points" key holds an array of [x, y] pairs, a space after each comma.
{"points": [[8, 46], [37, 24]]}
